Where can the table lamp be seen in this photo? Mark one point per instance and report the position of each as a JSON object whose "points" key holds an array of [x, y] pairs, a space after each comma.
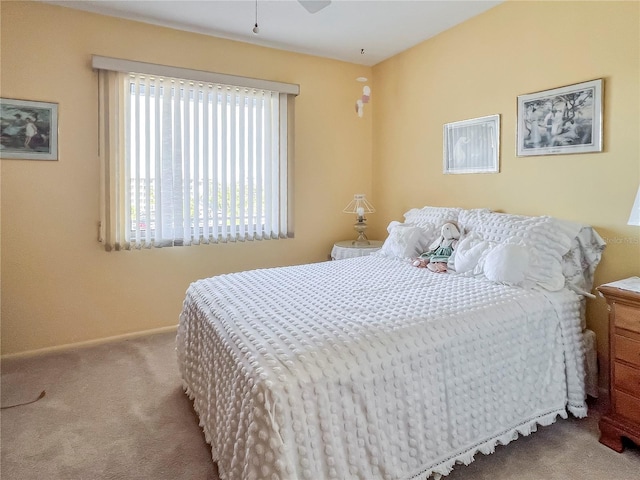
{"points": [[360, 206], [634, 217]]}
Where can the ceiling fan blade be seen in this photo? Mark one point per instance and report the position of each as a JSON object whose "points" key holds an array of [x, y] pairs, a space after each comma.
{"points": [[313, 6]]}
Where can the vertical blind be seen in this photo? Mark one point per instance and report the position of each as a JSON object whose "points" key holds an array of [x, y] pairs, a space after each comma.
{"points": [[191, 162]]}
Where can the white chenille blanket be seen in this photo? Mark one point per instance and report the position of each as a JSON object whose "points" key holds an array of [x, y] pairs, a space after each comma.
{"points": [[369, 368]]}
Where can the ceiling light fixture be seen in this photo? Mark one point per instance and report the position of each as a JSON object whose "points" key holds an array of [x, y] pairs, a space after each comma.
{"points": [[314, 6], [256, 30]]}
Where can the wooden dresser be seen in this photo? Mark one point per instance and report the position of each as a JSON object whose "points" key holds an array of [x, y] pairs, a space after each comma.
{"points": [[623, 420]]}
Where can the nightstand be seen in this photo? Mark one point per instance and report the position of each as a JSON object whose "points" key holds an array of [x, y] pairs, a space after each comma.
{"points": [[347, 249], [623, 419]]}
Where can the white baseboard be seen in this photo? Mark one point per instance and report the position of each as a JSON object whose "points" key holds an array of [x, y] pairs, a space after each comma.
{"points": [[87, 343]]}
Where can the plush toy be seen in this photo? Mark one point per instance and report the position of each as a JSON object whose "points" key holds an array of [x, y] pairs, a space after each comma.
{"points": [[439, 251]]}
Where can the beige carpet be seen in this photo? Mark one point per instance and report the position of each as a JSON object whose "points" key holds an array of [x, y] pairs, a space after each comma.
{"points": [[117, 411]]}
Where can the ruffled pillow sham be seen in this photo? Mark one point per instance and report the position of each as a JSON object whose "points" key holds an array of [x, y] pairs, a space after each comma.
{"points": [[405, 240], [432, 216], [545, 240]]}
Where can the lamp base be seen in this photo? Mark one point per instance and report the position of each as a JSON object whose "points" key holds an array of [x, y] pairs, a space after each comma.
{"points": [[362, 239]]}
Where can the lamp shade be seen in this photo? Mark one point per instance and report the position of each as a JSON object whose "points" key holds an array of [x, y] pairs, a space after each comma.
{"points": [[634, 218], [359, 205]]}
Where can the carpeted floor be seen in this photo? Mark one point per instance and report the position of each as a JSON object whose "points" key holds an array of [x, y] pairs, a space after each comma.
{"points": [[117, 411]]}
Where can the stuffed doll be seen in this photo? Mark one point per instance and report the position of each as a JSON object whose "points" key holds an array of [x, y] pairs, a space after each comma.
{"points": [[439, 251]]}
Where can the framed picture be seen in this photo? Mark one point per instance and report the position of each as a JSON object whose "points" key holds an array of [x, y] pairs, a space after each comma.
{"points": [[560, 121], [472, 146], [29, 130]]}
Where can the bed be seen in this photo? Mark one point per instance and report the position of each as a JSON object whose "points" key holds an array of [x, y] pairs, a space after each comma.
{"points": [[370, 368]]}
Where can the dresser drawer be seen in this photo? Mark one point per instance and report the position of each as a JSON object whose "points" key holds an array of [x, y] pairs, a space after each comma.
{"points": [[627, 406], [624, 367], [627, 350], [627, 317], [628, 379]]}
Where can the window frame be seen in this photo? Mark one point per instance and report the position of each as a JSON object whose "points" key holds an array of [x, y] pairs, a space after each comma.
{"points": [[113, 213]]}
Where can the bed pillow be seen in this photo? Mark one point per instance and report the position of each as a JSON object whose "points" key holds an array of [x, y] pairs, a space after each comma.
{"points": [[406, 240], [468, 252], [580, 262], [507, 263], [432, 216], [545, 270], [544, 232], [546, 239]]}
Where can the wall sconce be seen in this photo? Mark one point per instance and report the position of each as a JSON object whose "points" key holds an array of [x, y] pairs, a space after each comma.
{"points": [[366, 95]]}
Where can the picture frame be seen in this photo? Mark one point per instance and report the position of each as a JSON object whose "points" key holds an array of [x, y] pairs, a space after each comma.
{"points": [[562, 120], [28, 130], [472, 146]]}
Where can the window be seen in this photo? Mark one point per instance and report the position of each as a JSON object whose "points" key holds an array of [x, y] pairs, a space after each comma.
{"points": [[192, 157]]}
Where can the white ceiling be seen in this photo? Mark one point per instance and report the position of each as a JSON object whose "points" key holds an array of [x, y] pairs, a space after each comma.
{"points": [[342, 30]]}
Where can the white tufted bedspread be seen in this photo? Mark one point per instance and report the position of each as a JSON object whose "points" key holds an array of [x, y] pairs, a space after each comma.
{"points": [[369, 368]]}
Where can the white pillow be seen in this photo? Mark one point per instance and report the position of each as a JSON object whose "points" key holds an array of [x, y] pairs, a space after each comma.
{"points": [[405, 240], [545, 238], [507, 263], [580, 262], [468, 252], [433, 217], [544, 270]]}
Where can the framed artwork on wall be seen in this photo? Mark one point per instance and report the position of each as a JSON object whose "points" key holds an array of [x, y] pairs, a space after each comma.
{"points": [[29, 130], [561, 121], [472, 146]]}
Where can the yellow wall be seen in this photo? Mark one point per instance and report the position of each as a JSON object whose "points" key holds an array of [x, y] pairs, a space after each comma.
{"points": [[479, 68], [58, 284]]}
